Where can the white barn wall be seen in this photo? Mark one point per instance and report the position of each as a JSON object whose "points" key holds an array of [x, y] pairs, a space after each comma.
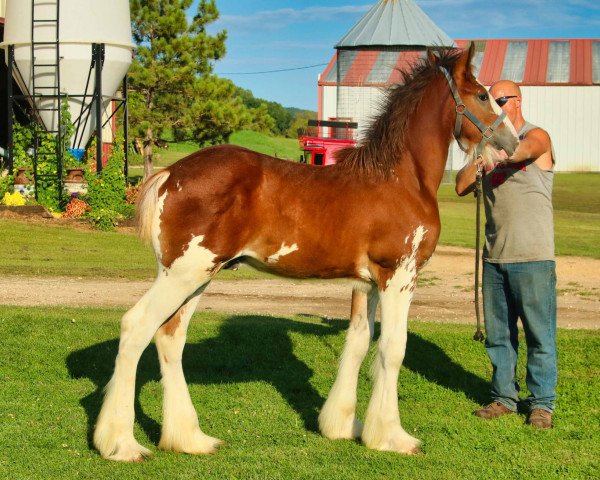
{"points": [[571, 115], [361, 104], [328, 102]]}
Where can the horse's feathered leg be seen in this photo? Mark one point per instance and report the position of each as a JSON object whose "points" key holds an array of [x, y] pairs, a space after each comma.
{"points": [[382, 430], [180, 430], [113, 435], [338, 417]]}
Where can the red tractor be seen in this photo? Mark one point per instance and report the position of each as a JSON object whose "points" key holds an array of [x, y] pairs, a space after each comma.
{"points": [[323, 138]]}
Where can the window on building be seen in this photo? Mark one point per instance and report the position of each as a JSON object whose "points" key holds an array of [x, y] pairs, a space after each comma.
{"points": [[596, 61], [514, 62], [559, 62]]}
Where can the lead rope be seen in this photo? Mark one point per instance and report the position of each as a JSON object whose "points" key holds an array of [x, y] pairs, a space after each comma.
{"points": [[478, 180]]}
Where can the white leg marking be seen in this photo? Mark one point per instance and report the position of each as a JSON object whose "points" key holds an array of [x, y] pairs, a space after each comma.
{"points": [[180, 430], [283, 250], [338, 417], [382, 429], [113, 435]]}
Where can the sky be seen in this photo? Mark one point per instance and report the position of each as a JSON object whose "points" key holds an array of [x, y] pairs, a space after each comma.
{"points": [[267, 35]]}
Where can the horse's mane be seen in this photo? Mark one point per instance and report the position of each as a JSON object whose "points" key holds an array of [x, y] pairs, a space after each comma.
{"points": [[385, 139]]}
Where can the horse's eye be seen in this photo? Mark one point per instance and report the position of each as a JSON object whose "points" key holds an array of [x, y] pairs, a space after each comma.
{"points": [[483, 97]]}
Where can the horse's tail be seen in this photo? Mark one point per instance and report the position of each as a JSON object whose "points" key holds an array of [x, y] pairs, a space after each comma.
{"points": [[147, 202]]}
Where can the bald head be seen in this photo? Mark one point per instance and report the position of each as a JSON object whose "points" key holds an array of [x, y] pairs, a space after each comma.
{"points": [[505, 88], [508, 96]]}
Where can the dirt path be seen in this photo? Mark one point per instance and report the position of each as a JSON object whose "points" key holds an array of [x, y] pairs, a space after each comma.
{"points": [[444, 294]]}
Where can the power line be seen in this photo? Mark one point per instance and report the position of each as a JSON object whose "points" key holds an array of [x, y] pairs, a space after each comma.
{"points": [[272, 71]]}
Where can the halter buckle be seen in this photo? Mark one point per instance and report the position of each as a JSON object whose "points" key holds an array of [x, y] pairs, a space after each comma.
{"points": [[460, 108], [488, 133]]}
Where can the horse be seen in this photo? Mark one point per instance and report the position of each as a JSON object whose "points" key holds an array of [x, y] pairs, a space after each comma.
{"points": [[372, 217]]}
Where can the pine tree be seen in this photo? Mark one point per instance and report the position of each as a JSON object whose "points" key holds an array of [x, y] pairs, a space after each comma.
{"points": [[173, 55]]}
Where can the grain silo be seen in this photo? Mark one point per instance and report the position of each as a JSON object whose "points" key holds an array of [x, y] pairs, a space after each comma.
{"points": [[390, 38], [74, 49]]}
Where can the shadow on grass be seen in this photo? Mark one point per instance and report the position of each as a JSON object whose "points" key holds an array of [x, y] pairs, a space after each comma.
{"points": [[432, 363], [257, 348], [247, 348]]}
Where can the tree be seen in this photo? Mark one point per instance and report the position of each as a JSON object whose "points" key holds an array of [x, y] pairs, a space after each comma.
{"points": [[218, 112], [282, 118], [300, 122], [173, 55]]}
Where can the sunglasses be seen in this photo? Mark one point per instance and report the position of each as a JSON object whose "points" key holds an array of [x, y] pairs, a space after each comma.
{"points": [[501, 101]]}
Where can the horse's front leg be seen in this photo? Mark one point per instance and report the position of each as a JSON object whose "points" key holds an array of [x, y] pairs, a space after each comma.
{"points": [[338, 417], [382, 430]]}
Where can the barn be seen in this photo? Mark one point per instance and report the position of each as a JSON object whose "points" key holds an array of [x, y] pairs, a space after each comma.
{"points": [[559, 78]]}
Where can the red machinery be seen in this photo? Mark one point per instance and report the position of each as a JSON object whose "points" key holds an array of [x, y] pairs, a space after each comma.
{"points": [[323, 138]]}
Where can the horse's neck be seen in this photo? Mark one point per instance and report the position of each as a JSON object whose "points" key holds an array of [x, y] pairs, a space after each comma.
{"points": [[428, 138]]}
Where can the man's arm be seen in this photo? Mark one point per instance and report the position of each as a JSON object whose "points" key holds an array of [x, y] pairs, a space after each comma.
{"points": [[535, 146], [465, 179]]}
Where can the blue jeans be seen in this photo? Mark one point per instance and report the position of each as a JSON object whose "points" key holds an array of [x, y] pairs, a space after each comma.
{"points": [[528, 291]]}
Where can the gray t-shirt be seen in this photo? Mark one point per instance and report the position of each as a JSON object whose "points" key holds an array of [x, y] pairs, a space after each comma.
{"points": [[518, 209]]}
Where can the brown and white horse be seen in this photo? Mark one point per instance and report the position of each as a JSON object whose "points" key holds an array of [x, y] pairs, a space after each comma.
{"points": [[372, 217]]}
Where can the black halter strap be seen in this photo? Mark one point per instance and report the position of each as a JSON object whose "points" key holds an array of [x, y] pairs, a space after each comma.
{"points": [[487, 132]]}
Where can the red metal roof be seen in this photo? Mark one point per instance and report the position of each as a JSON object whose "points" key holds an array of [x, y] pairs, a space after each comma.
{"points": [[536, 60], [374, 67], [370, 67]]}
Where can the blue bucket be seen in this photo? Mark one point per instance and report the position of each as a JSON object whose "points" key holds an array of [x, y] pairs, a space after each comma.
{"points": [[78, 153]]}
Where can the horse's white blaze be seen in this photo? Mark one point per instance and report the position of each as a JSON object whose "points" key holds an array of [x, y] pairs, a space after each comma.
{"points": [[383, 430], [283, 250], [507, 123]]}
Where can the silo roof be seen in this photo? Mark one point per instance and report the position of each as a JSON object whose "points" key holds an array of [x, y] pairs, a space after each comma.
{"points": [[395, 23]]}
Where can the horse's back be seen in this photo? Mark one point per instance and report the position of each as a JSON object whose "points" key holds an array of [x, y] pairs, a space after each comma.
{"points": [[225, 162]]}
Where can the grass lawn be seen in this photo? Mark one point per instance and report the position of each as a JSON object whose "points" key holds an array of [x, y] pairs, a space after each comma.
{"points": [[38, 249], [280, 147], [258, 383]]}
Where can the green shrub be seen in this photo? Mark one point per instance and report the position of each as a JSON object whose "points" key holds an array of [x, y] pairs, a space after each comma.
{"points": [[106, 191], [6, 183], [24, 140]]}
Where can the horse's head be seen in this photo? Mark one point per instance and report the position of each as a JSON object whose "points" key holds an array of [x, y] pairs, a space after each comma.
{"points": [[485, 131]]}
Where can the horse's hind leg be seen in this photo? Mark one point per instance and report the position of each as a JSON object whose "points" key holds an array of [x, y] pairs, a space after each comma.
{"points": [[338, 417], [180, 431], [113, 435]]}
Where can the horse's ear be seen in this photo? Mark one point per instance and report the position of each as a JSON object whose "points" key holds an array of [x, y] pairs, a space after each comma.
{"points": [[463, 64], [431, 56]]}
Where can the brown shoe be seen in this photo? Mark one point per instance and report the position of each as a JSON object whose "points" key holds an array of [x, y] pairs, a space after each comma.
{"points": [[493, 410], [540, 418]]}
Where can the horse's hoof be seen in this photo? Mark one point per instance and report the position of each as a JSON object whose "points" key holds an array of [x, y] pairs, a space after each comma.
{"points": [[137, 455]]}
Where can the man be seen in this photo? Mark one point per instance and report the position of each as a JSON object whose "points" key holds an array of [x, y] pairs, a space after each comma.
{"points": [[519, 278]]}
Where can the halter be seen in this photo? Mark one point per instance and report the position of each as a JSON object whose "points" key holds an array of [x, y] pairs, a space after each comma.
{"points": [[461, 109]]}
